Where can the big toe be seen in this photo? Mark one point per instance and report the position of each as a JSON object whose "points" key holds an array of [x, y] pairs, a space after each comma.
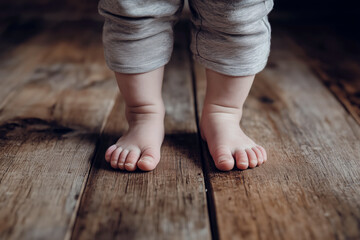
{"points": [[223, 159], [149, 160]]}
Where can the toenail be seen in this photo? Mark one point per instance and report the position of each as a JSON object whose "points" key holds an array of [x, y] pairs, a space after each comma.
{"points": [[129, 164], [146, 159], [223, 160]]}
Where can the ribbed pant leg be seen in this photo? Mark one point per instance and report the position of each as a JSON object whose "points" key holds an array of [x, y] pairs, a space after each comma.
{"points": [[138, 34], [231, 37]]}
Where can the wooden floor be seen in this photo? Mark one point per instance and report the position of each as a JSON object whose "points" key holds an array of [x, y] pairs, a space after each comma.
{"points": [[60, 109]]}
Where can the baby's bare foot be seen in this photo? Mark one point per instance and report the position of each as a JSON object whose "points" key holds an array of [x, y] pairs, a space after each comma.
{"points": [[140, 145], [227, 142], [220, 122]]}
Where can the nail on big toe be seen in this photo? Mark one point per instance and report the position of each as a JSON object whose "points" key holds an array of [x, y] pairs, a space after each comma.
{"points": [[224, 160], [146, 159]]}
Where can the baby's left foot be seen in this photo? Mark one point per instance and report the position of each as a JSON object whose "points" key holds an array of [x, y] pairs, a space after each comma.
{"points": [[220, 122], [227, 142]]}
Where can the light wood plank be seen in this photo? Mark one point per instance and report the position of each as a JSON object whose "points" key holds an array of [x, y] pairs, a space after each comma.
{"points": [[49, 127], [167, 203], [309, 188]]}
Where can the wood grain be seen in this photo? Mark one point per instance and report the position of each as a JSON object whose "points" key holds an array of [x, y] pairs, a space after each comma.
{"points": [[333, 53], [167, 203], [55, 96], [309, 188], [60, 110]]}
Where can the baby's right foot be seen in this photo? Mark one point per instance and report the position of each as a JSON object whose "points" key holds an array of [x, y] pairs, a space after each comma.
{"points": [[145, 111], [140, 145]]}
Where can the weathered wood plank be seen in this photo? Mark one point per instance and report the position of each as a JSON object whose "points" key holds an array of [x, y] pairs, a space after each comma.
{"points": [[309, 188], [50, 10], [167, 203], [49, 125], [333, 52], [19, 54]]}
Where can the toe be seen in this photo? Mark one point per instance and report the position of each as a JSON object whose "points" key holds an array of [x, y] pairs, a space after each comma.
{"points": [[131, 159], [259, 155], [115, 158], [109, 151], [252, 157], [149, 159], [122, 159], [223, 159], [263, 151], [242, 161]]}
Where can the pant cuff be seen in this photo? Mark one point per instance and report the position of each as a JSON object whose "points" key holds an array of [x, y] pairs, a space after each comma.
{"points": [[241, 70], [136, 69]]}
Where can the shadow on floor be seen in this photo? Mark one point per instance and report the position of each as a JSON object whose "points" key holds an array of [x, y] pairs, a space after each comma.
{"points": [[181, 146]]}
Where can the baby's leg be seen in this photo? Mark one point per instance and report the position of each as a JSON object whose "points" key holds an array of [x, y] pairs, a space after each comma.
{"points": [[232, 40], [138, 41], [221, 115], [140, 145]]}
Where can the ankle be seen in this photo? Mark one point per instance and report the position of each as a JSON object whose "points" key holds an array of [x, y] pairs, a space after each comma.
{"points": [[215, 108], [145, 112]]}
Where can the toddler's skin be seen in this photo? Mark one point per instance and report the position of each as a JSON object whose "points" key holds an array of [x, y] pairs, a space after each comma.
{"points": [[140, 146], [230, 38]]}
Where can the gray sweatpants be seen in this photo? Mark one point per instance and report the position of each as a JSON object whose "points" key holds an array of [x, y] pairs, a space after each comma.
{"points": [[228, 36]]}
